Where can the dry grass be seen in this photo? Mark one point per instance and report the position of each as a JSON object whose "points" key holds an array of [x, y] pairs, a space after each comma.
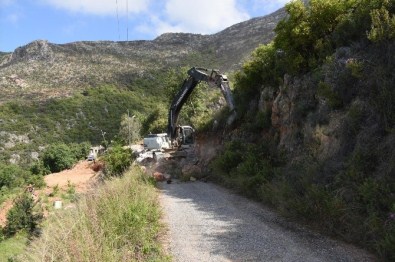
{"points": [[119, 222]]}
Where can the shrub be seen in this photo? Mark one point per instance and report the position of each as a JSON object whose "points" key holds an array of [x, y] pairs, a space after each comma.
{"points": [[80, 150], [229, 158], [22, 216], [58, 157], [38, 168], [333, 99], [12, 176], [383, 24], [117, 160]]}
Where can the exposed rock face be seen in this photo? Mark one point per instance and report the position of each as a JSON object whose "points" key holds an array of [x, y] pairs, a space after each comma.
{"points": [[37, 50]]}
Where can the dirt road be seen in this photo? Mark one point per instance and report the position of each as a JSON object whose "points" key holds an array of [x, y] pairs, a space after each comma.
{"points": [[208, 223]]}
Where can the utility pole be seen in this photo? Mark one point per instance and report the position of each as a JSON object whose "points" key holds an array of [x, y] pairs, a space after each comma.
{"points": [[128, 129], [127, 20], [104, 138]]}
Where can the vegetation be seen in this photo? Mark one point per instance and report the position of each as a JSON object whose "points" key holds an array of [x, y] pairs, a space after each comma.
{"points": [[102, 229], [58, 157], [130, 130], [117, 160], [94, 116], [13, 178], [22, 216], [11, 247], [331, 61]]}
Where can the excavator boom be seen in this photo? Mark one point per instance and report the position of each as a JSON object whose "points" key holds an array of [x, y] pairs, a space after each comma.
{"points": [[196, 75]]}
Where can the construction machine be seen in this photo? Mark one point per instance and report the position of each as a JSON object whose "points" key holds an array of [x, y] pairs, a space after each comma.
{"points": [[184, 135]]}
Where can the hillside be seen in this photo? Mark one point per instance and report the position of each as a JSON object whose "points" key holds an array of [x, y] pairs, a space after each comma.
{"points": [[315, 134], [42, 70], [79, 91]]}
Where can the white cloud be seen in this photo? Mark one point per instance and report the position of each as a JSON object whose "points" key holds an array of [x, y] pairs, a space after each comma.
{"points": [[204, 16], [100, 7]]}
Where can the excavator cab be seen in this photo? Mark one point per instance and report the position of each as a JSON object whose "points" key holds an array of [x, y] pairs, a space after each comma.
{"points": [[185, 135]]}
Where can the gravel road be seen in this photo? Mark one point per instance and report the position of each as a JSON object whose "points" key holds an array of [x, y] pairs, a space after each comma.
{"points": [[209, 223]]}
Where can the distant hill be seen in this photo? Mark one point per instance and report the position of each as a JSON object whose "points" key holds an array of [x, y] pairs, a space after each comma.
{"points": [[42, 70]]}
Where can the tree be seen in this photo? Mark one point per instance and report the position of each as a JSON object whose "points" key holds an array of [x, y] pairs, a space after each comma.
{"points": [[117, 160], [80, 150], [58, 157], [130, 128], [306, 36], [12, 176], [383, 24], [21, 216]]}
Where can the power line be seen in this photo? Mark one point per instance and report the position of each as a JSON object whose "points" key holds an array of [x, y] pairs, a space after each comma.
{"points": [[119, 34], [127, 20]]}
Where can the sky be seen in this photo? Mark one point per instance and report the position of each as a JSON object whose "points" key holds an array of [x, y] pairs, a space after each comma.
{"points": [[65, 21]]}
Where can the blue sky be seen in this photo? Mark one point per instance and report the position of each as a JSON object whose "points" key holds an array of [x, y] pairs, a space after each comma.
{"points": [[64, 21]]}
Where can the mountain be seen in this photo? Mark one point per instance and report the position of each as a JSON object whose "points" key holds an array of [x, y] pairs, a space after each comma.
{"points": [[42, 70]]}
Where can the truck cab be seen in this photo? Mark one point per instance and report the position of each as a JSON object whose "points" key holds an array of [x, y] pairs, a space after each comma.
{"points": [[156, 142]]}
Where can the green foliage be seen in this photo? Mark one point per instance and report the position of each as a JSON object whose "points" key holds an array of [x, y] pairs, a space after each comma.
{"points": [[263, 69], [38, 168], [156, 121], [82, 117], [58, 157], [246, 167], [12, 176], [384, 100], [305, 36], [229, 159], [383, 23], [22, 216], [345, 50], [117, 160], [80, 150], [13, 246], [130, 129], [325, 91]]}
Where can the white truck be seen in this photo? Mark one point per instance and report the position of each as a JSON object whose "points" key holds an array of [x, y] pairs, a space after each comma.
{"points": [[157, 142]]}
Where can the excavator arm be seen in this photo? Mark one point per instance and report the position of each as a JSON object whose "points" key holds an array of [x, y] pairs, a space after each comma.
{"points": [[196, 75]]}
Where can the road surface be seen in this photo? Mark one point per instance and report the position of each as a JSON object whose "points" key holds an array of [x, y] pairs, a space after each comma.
{"points": [[209, 223]]}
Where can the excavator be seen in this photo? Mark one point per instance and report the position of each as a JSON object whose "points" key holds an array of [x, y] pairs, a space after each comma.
{"points": [[184, 135]]}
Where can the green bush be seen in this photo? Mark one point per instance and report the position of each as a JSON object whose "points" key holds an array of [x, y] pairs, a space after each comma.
{"points": [[80, 150], [12, 176], [58, 157], [117, 160], [39, 169], [333, 99], [22, 216], [383, 23], [263, 69]]}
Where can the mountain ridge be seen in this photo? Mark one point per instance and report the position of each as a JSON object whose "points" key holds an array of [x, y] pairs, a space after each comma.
{"points": [[42, 69]]}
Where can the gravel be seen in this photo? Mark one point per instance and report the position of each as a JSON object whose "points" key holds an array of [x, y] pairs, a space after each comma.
{"points": [[209, 223]]}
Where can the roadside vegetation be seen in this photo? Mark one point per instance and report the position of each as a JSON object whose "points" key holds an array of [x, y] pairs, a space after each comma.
{"points": [[335, 60], [118, 222]]}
